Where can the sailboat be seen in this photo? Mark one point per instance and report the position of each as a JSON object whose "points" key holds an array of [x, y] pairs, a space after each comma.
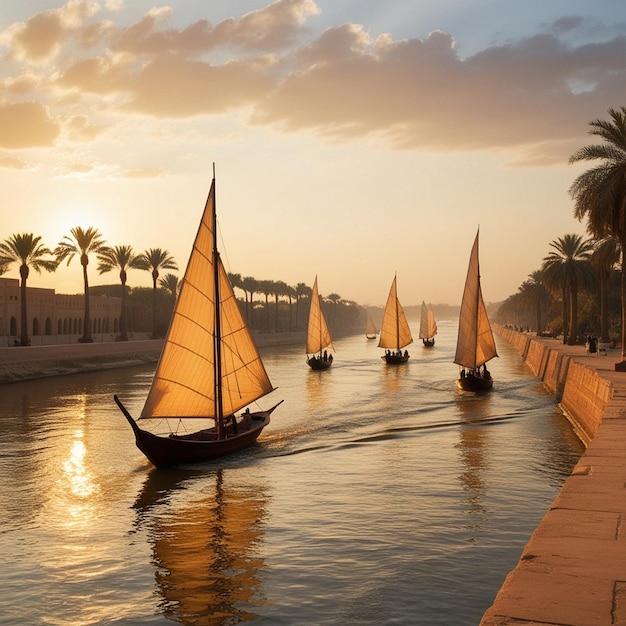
{"points": [[395, 333], [475, 342], [318, 340], [370, 328], [209, 368], [428, 325]]}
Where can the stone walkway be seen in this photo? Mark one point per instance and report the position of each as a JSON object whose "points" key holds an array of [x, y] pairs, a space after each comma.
{"points": [[573, 570]]}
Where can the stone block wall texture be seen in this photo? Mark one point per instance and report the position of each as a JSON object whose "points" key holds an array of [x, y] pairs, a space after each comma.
{"points": [[580, 390]]}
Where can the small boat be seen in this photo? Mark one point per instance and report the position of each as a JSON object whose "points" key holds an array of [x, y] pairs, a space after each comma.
{"points": [[395, 333], [209, 368], [318, 341], [428, 325], [475, 343], [370, 328]]}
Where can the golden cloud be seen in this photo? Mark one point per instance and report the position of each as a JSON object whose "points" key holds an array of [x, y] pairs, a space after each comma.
{"points": [[26, 125]]}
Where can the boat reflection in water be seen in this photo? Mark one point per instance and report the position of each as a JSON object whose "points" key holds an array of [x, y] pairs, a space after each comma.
{"points": [[204, 544], [473, 447]]}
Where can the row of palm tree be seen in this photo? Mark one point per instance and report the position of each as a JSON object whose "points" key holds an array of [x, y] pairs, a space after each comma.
{"points": [[279, 289], [576, 263], [573, 265], [28, 251]]}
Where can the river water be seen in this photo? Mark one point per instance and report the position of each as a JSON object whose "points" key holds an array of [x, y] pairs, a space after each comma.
{"points": [[377, 495]]}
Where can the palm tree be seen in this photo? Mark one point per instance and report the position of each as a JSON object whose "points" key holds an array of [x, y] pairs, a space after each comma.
{"points": [[122, 258], [28, 251], [537, 291], [279, 288], [82, 243], [604, 258], [531, 298], [335, 298], [302, 291], [154, 260], [235, 280], [291, 295], [171, 284], [568, 266], [266, 287], [250, 286], [600, 193]]}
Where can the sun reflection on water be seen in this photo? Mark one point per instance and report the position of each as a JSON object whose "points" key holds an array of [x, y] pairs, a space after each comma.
{"points": [[78, 482]]}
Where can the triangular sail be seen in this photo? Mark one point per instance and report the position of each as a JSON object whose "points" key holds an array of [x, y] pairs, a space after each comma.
{"points": [[184, 384], [370, 327], [318, 337], [428, 325], [475, 342], [394, 331]]}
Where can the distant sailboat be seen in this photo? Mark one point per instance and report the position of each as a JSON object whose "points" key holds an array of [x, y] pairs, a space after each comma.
{"points": [[475, 342], [395, 333], [318, 340], [209, 368], [428, 325], [370, 328]]}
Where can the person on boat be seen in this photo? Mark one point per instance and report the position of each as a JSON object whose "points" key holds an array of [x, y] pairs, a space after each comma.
{"points": [[406, 353], [325, 355], [330, 358]]}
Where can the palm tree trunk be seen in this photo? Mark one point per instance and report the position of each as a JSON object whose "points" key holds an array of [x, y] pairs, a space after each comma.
{"points": [[86, 338], [154, 308], [123, 333], [23, 309], [564, 314], [573, 334], [604, 316], [623, 284], [621, 365], [538, 316]]}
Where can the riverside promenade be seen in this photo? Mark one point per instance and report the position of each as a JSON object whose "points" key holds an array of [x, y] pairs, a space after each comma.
{"points": [[18, 363], [572, 571]]}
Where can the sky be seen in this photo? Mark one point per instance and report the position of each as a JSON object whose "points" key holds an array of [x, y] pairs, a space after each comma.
{"points": [[353, 140]]}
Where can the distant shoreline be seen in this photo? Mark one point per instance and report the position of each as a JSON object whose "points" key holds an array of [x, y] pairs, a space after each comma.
{"points": [[20, 363]]}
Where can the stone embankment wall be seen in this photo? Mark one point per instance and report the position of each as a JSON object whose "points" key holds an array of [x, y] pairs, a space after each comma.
{"points": [[28, 362], [580, 390]]}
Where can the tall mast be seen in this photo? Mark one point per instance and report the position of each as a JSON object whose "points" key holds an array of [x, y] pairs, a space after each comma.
{"points": [[477, 303], [397, 315], [217, 346]]}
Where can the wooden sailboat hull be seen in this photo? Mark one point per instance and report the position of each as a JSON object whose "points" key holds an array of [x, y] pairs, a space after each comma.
{"points": [[474, 383], [428, 343], [319, 364], [395, 359], [200, 447]]}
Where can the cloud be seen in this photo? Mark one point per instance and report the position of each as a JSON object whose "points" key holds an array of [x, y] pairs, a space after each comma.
{"points": [[14, 163], [419, 94], [80, 129], [42, 36], [146, 172], [26, 125], [533, 95], [274, 27]]}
